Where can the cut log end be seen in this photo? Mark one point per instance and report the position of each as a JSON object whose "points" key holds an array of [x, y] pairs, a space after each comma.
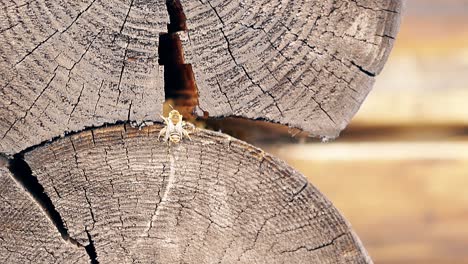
{"points": [[117, 194], [309, 66], [213, 199], [26, 235]]}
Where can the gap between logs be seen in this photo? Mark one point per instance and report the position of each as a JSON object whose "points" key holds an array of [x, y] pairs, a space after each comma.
{"points": [[180, 88], [181, 93]]}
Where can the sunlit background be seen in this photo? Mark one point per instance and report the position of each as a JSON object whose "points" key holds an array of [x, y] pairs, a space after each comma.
{"points": [[399, 173]]}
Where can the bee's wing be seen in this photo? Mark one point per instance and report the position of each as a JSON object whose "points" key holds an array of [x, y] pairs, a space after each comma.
{"points": [[188, 126], [170, 126], [162, 132], [163, 118], [186, 134]]}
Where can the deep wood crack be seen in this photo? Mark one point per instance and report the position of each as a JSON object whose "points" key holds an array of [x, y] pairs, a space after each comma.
{"points": [[22, 174], [91, 250], [180, 88]]}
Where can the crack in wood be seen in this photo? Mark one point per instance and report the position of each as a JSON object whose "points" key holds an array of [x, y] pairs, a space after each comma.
{"points": [[75, 104], [124, 59], [22, 174], [99, 98], [16, 6], [275, 103], [274, 215], [319, 104], [333, 56], [366, 72], [32, 105], [10, 27], [330, 243], [36, 47], [225, 94], [90, 249], [85, 52], [180, 87], [90, 207], [126, 17], [375, 9], [78, 16]]}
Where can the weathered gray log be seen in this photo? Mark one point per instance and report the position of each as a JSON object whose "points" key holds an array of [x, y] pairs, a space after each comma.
{"points": [[66, 65], [26, 235], [116, 194], [308, 64], [214, 199]]}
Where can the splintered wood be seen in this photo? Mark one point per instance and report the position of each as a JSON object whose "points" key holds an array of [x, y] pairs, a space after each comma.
{"points": [[210, 200]]}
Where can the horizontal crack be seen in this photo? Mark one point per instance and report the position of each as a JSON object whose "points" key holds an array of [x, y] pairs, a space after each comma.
{"points": [[368, 73], [331, 242]]}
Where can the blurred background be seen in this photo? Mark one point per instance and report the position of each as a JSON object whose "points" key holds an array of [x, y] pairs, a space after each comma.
{"points": [[399, 172]]}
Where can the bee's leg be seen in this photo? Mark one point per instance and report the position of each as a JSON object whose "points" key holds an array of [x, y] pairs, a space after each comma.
{"points": [[165, 119], [188, 125], [186, 134], [142, 125], [163, 131]]}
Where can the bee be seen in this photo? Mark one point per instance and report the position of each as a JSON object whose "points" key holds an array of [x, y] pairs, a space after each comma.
{"points": [[175, 128]]}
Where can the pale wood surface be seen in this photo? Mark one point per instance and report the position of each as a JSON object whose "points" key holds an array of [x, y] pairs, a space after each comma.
{"points": [[308, 64], [68, 65], [214, 199], [26, 235]]}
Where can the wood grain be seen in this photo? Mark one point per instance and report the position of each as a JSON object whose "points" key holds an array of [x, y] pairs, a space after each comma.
{"points": [[68, 65], [26, 235], [214, 199], [308, 64], [119, 195]]}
